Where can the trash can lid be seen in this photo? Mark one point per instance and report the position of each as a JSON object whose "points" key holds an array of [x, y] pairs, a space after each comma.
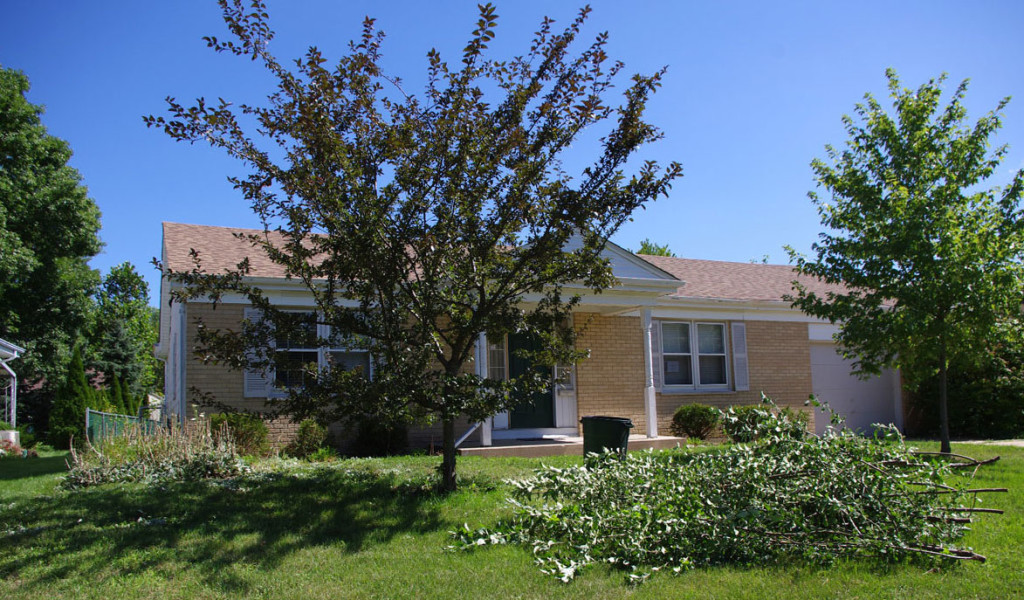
{"points": [[622, 420]]}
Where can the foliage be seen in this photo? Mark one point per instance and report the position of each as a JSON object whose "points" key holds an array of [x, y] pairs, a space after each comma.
{"points": [[67, 418], [929, 259], [781, 499], [26, 434], [8, 449], [48, 232], [374, 438], [744, 423], [989, 390], [740, 422], [695, 421], [310, 438], [435, 214], [247, 432], [186, 452], [122, 334], [651, 249]]}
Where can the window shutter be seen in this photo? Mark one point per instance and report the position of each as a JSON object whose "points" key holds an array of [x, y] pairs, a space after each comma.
{"points": [[656, 353], [256, 384], [741, 378]]}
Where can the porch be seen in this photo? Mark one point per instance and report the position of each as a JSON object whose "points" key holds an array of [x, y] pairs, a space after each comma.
{"points": [[559, 445]]}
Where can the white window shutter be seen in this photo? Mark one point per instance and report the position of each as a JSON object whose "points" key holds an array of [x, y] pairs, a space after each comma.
{"points": [[741, 377], [256, 384], [656, 353]]}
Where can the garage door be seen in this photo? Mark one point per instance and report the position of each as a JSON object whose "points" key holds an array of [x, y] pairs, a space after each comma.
{"points": [[861, 401]]}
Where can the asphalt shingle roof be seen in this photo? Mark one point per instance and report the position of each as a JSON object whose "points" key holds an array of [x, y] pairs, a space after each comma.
{"points": [[715, 279], [219, 250]]}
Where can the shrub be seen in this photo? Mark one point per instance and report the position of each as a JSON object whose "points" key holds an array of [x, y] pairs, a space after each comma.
{"points": [[322, 454], [744, 424], [309, 439], [740, 423], [248, 432], [67, 418], [9, 449], [778, 500], [375, 438], [694, 421], [26, 434], [186, 452]]}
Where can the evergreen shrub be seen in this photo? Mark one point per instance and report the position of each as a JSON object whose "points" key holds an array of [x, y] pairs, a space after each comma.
{"points": [[695, 421]]}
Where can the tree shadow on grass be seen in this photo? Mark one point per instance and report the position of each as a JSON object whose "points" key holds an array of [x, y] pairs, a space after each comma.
{"points": [[17, 468], [119, 530]]}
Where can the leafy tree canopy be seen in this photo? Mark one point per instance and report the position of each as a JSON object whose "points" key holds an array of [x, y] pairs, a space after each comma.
{"points": [[930, 258], [48, 232], [419, 221], [651, 249], [123, 335]]}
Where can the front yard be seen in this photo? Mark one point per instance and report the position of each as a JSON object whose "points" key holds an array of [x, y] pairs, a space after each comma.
{"points": [[372, 528]]}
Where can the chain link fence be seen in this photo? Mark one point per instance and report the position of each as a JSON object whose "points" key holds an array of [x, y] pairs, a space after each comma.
{"points": [[100, 426]]}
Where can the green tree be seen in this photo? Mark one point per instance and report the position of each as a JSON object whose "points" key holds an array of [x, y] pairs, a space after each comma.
{"points": [[74, 395], [651, 249], [123, 335], [118, 398], [48, 233], [929, 259], [431, 217]]}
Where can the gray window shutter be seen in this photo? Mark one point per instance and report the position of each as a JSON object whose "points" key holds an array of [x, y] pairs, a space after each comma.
{"points": [[741, 377], [656, 353], [256, 384]]}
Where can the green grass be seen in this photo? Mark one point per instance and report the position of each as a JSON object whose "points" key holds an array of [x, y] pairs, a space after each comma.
{"points": [[371, 528]]}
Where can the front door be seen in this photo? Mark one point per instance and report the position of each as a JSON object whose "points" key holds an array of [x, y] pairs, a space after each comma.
{"points": [[540, 411]]}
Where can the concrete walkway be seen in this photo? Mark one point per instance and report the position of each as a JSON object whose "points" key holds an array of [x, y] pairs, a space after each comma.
{"points": [[1017, 443], [561, 445]]}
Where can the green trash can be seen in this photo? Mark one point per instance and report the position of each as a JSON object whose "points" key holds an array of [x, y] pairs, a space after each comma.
{"points": [[605, 432]]}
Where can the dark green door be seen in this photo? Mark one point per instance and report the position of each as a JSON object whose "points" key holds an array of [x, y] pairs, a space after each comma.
{"points": [[539, 412]]}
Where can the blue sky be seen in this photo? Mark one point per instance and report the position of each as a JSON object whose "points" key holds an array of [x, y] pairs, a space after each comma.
{"points": [[753, 93]]}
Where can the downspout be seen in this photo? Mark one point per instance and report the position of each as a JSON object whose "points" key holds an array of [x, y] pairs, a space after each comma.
{"points": [[181, 366], [13, 402], [650, 399], [482, 370]]}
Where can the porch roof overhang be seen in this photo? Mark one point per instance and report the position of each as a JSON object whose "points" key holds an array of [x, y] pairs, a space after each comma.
{"points": [[9, 351]]}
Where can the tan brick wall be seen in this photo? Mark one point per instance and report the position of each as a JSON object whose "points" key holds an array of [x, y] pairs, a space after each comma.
{"points": [[779, 364], [611, 381], [226, 385]]}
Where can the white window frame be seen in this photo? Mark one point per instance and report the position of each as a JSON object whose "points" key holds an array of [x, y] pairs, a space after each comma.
{"points": [[563, 377], [494, 348], [695, 355], [323, 353]]}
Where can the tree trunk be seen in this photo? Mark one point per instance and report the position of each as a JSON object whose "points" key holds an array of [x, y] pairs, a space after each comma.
{"points": [[448, 482], [943, 409]]}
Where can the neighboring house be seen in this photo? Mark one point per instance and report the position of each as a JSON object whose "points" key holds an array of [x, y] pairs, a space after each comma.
{"points": [[9, 382], [674, 331]]}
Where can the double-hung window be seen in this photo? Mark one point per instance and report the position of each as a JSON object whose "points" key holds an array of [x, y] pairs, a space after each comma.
{"points": [[694, 355], [311, 343]]}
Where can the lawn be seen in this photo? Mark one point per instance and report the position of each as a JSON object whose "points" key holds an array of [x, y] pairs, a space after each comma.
{"points": [[370, 528]]}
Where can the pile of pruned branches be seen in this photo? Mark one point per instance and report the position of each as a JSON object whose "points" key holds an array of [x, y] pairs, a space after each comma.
{"points": [[786, 496]]}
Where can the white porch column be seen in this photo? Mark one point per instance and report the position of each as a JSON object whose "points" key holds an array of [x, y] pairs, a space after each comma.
{"points": [[481, 370], [650, 400]]}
